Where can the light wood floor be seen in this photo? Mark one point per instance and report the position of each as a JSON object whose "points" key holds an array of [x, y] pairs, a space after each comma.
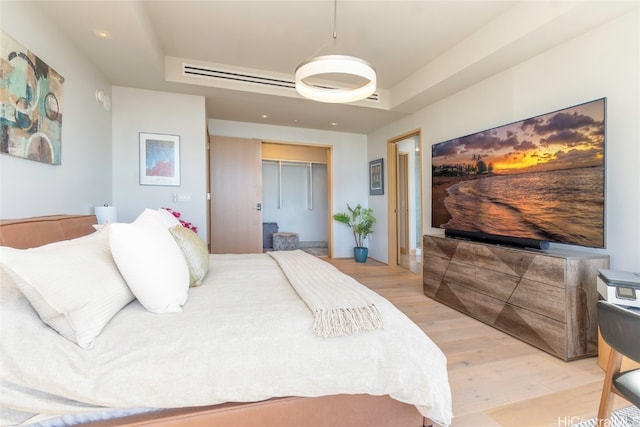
{"points": [[496, 380]]}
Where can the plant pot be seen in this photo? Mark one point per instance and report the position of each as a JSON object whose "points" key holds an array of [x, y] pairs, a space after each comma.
{"points": [[360, 254]]}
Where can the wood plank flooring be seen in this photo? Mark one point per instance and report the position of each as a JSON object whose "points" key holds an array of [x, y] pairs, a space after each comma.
{"points": [[496, 380]]}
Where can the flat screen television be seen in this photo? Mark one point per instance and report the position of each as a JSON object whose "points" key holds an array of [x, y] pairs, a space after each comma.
{"points": [[539, 179]]}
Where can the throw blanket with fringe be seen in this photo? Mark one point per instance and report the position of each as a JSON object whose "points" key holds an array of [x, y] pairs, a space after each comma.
{"points": [[339, 303]]}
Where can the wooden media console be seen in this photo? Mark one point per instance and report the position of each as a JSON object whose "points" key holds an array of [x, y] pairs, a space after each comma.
{"points": [[544, 298]]}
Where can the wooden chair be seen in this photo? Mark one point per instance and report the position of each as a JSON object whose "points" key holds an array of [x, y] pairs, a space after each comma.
{"points": [[620, 328]]}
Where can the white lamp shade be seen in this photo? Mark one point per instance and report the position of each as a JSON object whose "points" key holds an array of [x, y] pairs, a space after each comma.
{"points": [[106, 213]]}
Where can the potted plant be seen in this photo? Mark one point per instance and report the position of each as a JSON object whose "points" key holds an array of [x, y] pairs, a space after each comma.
{"points": [[360, 220]]}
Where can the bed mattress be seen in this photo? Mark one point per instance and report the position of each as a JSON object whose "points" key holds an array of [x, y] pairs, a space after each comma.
{"points": [[244, 335]]}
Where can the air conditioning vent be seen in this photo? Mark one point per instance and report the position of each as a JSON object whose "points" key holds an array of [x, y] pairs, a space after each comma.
{"points": [[205, 72], [200, 71]]}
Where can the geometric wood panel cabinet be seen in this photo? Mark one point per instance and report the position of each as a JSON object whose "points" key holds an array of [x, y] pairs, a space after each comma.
{"points": [[547, 299]]}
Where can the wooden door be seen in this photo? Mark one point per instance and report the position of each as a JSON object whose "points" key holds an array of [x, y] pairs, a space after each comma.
{"points": [[403, 204], [236, 195]]}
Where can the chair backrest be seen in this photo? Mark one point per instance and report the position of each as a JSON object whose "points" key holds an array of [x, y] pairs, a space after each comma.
{"points": [[620, 328]]}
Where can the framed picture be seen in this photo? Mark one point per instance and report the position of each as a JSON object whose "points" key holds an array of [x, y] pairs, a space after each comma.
{"points": [[159, 159], [30, 104], [376, 177]]}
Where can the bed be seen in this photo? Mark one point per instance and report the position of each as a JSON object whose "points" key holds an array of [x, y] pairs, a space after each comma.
{"points": [[243, 348]]}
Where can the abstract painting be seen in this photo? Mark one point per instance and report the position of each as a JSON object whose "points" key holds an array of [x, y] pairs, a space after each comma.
{"points": [[31, 96], [159, 159]]}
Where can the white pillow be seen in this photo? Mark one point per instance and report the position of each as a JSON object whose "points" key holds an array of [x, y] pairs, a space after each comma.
{"points": [[167, 218], [74, 285], [151, 262]]}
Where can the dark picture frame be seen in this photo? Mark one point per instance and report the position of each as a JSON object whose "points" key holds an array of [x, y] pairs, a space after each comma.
{"points": [[376, 177]]}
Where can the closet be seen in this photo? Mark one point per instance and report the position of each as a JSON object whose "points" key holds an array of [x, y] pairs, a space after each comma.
{"points": [[255, 182], [295, 192]]}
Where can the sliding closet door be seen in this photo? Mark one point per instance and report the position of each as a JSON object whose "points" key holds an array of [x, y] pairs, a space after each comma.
{"points": [[236, 195]]}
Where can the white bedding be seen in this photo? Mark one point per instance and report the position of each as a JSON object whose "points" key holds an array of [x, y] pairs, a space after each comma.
{"points": [[244, 335]]}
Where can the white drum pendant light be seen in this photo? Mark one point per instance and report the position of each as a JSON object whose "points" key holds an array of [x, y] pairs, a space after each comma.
{"points": [[335, 64]]}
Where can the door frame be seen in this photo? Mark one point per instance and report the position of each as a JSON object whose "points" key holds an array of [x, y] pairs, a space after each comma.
{"points": [[392, 202]]}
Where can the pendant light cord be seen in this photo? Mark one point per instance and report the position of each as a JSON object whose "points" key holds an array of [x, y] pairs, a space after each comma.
{"points": [[335, 20], [335, 30]]}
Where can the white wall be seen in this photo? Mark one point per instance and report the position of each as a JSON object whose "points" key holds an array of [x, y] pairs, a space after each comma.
{"points": [[135, 111], [83, 180], [349, 164], [605, 62]]}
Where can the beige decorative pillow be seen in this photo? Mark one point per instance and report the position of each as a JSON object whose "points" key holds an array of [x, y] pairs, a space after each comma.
{"points": [[195, 253], [74, 285], [151, 262]]}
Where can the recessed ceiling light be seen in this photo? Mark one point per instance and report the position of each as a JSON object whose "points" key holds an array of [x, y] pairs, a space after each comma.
{"points": [[102, 34], [334, 124], [265, 116]]}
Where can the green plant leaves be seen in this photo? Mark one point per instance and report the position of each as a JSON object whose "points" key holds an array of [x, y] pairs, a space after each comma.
{"points": [[360, 220]]}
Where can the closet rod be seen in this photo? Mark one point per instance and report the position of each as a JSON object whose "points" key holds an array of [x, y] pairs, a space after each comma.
{"points": [[304, 162], [310, 200]]}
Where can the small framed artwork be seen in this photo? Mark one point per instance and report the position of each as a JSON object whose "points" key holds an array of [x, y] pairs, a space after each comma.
{"points": [[159, 159], [376, 177]]}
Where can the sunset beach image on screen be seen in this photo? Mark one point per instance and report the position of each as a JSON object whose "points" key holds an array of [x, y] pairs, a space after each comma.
{"points": [[540, 178]]}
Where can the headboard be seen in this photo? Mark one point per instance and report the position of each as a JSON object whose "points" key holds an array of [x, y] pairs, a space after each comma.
{"points": [[37, 231]]}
